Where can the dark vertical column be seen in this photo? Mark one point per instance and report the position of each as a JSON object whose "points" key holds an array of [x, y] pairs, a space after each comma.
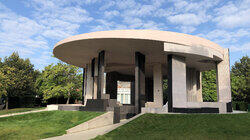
{"points": [[100, 80], [170, 99], [111, 85], [132, 97], [93, 76], [83, 88], [149, 89], [139, 81]]}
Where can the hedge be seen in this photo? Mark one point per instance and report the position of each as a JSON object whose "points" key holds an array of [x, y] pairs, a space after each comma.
{"points": [[243, 106]]}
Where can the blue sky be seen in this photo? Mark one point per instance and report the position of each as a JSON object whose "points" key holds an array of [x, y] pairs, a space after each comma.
{"points": [[32, 27]]}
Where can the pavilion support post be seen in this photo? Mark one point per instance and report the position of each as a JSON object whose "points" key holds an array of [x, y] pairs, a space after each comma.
{"points": [[158, 85], [223, 82], [88, 83], [132, 97], [95, 76], [177, 97], [199, 86], [100, 79], [83, 85], [139, 82], [111, 85]]}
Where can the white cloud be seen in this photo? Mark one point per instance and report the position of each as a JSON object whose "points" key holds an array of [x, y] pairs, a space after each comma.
{"points": [[130, 14], [233, 15], [107, 5], [223, 36], [187, 29], [236, 41], [244, 48], [189, 14], [53, 21], [187, 19], [19, 33], [111, 14], [126, 4]]}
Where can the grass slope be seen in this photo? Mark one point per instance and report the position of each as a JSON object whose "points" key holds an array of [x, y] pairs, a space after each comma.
{"points": [[43, 124], [18, 110], [184, 126]]}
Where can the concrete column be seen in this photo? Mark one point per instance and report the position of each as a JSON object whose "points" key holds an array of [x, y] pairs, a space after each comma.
{"points": [[194, 86], [100, 80], [95, 76], [191, 82], [158, 85], [111, 85], [89, 83], [199, 86], [83, 85], [223, 79], [177, 97], [132, 97], [139, 82]]}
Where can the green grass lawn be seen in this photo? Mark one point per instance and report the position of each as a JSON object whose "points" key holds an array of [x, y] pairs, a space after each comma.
{"points": [[18, 110], [184, 126], [42, 125]]}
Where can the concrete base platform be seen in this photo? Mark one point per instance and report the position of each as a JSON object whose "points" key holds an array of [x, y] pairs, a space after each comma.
{"points": [[69, 107]]}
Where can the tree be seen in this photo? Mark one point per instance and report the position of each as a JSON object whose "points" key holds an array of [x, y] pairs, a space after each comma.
{"points": [[60, 80], [209, 90], [6, 82], [240, 80], [19, 77], [239, 87]]}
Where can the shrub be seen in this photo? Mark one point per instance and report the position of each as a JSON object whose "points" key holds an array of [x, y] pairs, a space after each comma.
{"points": [[242, 106]]}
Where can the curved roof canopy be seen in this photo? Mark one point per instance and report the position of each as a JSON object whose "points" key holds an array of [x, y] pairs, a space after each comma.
{"points": [[120, 46]]}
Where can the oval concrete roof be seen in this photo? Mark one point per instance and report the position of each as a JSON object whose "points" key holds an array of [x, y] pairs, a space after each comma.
{"points": [[69, 47], [164, 36]]}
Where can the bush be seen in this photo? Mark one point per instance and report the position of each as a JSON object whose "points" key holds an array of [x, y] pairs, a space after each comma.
{"points": [[242, 106], [234, 105]]}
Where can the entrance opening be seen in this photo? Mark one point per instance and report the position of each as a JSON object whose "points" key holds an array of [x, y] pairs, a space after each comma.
{"points": [[124, 92]]}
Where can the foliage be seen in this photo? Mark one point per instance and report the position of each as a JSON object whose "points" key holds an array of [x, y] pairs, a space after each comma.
{"points": [[7, 80], [42, 125], [240, 80], [17, 77], [209, 90], [239, 87], [165, 91], [239, 106], [22, 74], [60, 80]]}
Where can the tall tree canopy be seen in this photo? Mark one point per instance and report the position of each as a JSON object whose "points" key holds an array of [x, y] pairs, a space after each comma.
{"points": [[60, 80], [17, 77], [240, 80]]}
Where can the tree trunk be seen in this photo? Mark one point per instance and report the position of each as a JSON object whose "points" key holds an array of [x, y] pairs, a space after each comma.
{"points": [[68, 98], [7, 103]]}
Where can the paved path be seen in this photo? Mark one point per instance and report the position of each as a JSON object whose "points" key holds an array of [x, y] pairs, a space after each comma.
{"points": [[92, 133], [20, 113]]}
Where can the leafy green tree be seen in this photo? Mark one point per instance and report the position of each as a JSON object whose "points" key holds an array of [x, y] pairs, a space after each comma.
{"points": [[19, 77], [60, 80], [239, 87], [6, 82], [240, 80], [209, 90]]}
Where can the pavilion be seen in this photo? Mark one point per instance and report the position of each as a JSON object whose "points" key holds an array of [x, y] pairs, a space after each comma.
{"points": [[142, 59]]}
